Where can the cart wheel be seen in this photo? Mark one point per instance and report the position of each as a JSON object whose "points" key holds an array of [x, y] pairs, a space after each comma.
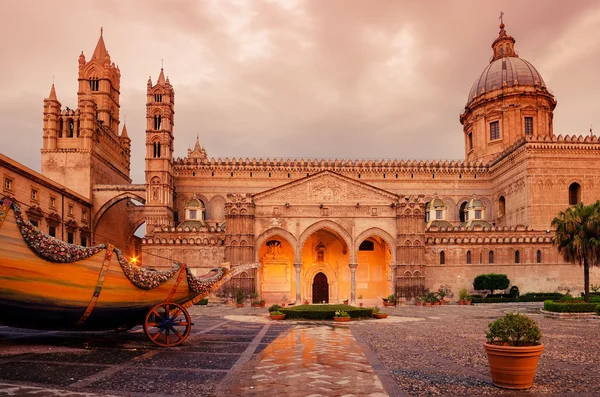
{"points": [[167, 324]]}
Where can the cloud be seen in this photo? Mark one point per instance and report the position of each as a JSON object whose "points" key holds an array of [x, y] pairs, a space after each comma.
{"points": [[331, 79]]}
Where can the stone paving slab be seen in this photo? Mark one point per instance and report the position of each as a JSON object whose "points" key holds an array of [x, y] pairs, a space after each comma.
{"points": [[309, 360]]}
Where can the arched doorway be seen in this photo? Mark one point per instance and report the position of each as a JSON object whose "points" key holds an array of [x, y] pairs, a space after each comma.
{"points": [[320, 289]]}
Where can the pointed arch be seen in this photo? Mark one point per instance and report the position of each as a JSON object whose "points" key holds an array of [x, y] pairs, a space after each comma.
{"points": [[327, 224], [280, 232], [126, 195], [385, 236]]}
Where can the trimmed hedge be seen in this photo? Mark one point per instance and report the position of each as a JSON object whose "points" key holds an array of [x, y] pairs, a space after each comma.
{"points": [[540, 296], [565, 307], [325, 312], [494, 300]]}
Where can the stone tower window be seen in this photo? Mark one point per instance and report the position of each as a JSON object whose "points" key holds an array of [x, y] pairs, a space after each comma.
{"points": [[442, 258], [157, 97], [501, 206], [538, 256], [574, 193], [94, 84], [470, 140], [477, 214], [491, 257], [438, 214], [157, 122], [71, 129], [528, 125], [468, 257], [494, 130], [156, 149], [517, 256], [462, 214]]}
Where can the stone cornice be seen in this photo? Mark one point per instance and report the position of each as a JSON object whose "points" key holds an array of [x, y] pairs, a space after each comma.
{"points": [[494, 235], [186, 166]]}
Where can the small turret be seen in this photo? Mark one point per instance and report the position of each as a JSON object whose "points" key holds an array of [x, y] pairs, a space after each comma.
{"points": [[52, 110]]}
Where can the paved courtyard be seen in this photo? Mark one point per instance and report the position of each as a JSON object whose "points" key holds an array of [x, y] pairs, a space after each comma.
{"points": [[417, 351]]}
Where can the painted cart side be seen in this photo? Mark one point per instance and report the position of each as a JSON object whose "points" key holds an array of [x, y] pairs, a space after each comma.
{"points": [[48, 284]]}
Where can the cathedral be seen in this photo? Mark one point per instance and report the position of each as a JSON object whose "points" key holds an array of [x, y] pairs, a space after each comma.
{"points": [[336, 229]]}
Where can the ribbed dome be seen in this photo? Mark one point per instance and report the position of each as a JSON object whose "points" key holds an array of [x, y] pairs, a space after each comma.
{"points": [[474, 203], [503, 73], [194, 203], [436, 203]]}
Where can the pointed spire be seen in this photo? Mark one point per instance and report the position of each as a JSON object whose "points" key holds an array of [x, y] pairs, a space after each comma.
{"points": [[197, 145], [124, 132], [52, 93], [100, 52], [161, 77]]}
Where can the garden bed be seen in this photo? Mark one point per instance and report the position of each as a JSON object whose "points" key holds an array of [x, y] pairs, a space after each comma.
{"points": [[570, 307], [325, 312]]}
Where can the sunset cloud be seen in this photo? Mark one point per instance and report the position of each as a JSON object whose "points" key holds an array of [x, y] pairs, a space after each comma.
{"points": [[331, 79]]}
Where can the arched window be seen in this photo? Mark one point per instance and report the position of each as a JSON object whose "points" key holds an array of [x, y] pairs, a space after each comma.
{"points": [[442, 258], [468, 257], [491, 257], [574, 193], [70, 129], [501, 206], [517, 256], [155, 149], [538, 256], [157, 97], [462, 215], [367, 245], [94, 84], [426, 212], [157, 121]]}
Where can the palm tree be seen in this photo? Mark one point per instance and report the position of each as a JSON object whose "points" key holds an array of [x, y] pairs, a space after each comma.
{"points": [[578, 237]]}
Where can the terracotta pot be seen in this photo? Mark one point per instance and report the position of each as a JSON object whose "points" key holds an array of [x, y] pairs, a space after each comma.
{"points": [[418, 303], [461, 302], [277, 316], [513, 367], [380, 315], [468, 302], [436, 303], [341, 319], [239, 305], [427, 304]]}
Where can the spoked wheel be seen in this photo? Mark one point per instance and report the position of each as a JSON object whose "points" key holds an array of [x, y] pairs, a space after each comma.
{"points": [[167, 324]]}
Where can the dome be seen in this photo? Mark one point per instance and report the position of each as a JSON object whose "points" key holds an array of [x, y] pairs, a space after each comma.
{"points": [[194, 203], [436, 203], [474, 203], [505, 72]]}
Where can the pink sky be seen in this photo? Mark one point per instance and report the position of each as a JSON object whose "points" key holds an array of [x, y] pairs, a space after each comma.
{"points": [[328, 79]]}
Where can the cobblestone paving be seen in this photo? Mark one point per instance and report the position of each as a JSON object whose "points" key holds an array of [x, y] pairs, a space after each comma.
{"points": [[312, 360], [443, 355], [78, 364]]}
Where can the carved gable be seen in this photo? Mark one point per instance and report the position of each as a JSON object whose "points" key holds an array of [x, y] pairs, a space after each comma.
{"points": [[325, 188]]}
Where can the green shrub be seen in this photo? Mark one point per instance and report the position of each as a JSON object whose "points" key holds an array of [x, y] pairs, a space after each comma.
{"points": [[325, 312], [276, 313], [494, 300], [203, 302], [514, 330], [491, 282], [462, 294], [391, 298], [274, 308], [598, 310], [239, 296], [569, 307], [540, 296], [341, 313]]}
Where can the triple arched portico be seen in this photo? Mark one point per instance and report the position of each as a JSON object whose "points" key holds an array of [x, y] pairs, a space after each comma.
{"points": [[293, 263]]}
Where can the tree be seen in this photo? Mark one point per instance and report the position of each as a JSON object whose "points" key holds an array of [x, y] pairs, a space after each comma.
{"points": [[578, 237], [491, 282]]}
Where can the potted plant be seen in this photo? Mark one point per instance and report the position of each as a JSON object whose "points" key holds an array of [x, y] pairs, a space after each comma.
{"points": [[513, 348], [430, 299], [239, 298], [468, 300], [283, 300], [417, 301], [462, 294], [276, 315], [306, 301], [443, 292], [377, 314], [341, 316], [345, 301], [391, 300], [360, 298]]}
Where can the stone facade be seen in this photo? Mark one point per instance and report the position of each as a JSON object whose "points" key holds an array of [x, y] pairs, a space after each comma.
{"points": [[331, 230]]}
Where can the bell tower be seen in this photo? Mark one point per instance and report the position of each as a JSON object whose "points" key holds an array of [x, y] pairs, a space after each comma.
{"points": [[160, 112], [82, 146]]}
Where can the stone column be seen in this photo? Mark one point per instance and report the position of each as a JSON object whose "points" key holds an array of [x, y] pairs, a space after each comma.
{"points": [[393, 283], [353, 267], [298, 267]]}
